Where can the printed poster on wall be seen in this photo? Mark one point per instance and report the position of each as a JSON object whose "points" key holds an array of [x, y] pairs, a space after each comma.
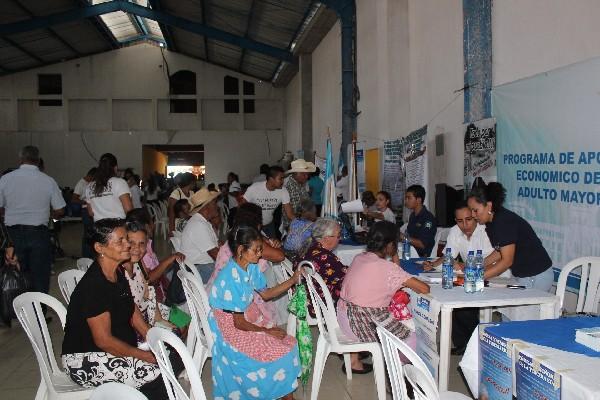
{"points": [[321, 163], [393, 173], [548, 156], [535, 380], [495, 367], [360, 169], [480, 151], [425, 313], [415, 145]]}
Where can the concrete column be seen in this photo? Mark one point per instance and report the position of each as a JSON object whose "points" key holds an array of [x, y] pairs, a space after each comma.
{"points": [[477, 52], [305, 73]]}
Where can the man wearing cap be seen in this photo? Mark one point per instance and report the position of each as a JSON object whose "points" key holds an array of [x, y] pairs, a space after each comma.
{"points": [[268, 196], [299, 173], [199, 241]]}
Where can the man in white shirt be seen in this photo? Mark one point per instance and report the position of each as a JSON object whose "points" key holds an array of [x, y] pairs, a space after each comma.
{"points": [[136, 193], [268, 196], [27, 197], [199, 241], [342, 186], [262, 176], [467, 235], [86, 219]]}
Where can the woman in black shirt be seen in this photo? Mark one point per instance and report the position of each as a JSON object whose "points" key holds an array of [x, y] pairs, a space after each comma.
{"points": [[100, 343], [516, 244]]}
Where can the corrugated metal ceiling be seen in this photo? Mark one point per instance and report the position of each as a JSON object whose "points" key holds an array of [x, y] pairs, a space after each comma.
{"points": [[276, 24]]}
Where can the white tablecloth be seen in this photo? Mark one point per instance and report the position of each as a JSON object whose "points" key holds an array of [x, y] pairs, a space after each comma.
{"points": [[346, 252], [487, 300]]}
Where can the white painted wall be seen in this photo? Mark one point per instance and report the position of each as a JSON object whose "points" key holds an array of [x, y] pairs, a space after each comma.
{"points": [[327, 92], [117, 101], [410, 63], [293, 117], [533, 36], [436, 71]]}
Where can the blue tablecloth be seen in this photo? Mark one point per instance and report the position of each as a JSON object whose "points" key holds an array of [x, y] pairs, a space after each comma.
{"points": [[556, 333], [411, 266]]}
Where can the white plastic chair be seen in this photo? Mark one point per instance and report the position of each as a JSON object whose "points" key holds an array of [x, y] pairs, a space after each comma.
{"points": [[84, 263], [589, 288], [161, 221], [157, 339], [200, 338], [440, 235], [189, 267], [67, 281], [418, 375], [54, 383], [116, 390], [283, 271], [332, 340]]}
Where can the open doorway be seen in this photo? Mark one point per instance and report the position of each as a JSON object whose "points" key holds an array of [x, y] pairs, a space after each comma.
{"points": [[171, 159]]}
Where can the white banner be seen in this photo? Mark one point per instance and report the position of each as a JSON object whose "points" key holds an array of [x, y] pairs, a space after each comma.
{"points": [[425, 313], [393, 174], [548, 156]]}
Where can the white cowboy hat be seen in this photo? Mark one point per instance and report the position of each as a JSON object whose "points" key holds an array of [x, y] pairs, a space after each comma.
{"points": [[202, 198], [301, 165]]}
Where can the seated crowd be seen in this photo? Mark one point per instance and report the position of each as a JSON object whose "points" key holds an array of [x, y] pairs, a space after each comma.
{"points": [[233, 237]]}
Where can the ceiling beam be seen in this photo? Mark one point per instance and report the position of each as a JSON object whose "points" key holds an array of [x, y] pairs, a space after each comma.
{"points": [[101, 27], [158, 16], [250, 16], [50, 30], [23, 50], [205, 22], [166, 30]]}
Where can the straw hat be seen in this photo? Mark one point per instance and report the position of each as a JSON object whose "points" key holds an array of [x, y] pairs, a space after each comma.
{"points": [[301, 165], [201, 198]]}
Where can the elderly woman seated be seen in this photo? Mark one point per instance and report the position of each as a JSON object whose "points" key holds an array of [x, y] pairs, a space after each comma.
{"points": [[325, 238], [103, 322], [144, 294], [300, 229], [370, 283]]}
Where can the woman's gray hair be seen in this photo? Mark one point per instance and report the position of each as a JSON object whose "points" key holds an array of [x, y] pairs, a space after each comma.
{"points": [[324, 227], [305, 205]]}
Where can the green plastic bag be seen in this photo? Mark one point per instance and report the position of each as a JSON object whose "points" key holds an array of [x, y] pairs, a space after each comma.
{"points": [[298, 307], [179, 318]]}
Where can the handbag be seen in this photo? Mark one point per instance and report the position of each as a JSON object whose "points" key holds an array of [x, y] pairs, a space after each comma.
{"points": [[175, 293], [12, 284]]}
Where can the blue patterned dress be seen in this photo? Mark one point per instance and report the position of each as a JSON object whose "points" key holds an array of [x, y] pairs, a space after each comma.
{"points": [[247, 365]]}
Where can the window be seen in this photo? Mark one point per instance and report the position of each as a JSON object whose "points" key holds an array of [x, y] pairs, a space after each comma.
{"points": [[248, 106], [232, 106], [183, 106], [231, 85], [49, 84], [50, 103], [248, 88], [183, 83]]}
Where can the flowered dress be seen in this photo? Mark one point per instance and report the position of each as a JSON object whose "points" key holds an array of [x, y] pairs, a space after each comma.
{"points": [[331, 269], [247, 365]]}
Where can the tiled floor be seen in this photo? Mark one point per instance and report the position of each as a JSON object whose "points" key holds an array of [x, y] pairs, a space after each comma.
{"points": [[19, 373]]}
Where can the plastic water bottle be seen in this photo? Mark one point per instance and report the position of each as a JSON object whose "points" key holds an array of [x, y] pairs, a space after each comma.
{"points": [[470, 273], [448, 269], [479, 282], [406, 249]]}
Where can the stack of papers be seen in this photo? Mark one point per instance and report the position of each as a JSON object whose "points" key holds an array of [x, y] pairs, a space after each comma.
{"points": [[589, 337], [431, 277]]}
